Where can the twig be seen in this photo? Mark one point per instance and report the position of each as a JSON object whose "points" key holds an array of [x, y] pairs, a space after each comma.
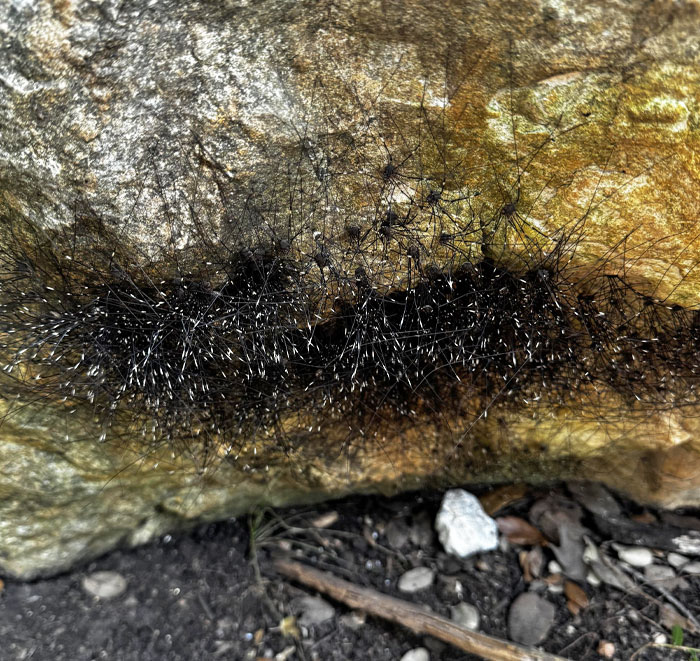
{"points": [[410, 615], [666, 594], [675, 648]]}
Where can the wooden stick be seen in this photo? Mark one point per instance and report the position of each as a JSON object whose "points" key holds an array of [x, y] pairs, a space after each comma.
{"points": [[410, 615]]}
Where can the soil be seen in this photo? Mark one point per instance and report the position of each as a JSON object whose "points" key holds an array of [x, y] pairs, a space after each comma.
{"points": [[212, 593]]}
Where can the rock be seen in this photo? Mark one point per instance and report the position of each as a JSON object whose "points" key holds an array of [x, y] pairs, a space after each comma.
{"points": [[606, 649], [462, 525], [104, 584], [421, 532], [416, 654], [313, 610], [553, 567], [354, 620], [676, 560], [416, 579], [656, 573], [396, 534], [529, 619], [593, 579], [466, 615], [637, 556], [691, 568]]}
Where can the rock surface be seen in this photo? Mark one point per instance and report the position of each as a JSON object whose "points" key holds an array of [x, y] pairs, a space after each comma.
{"points": [[162, 123]]}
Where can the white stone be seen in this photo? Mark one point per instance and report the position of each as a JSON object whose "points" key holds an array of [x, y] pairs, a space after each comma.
{"points": [[314, 610], [676, 560], [104, 584], [466, 616], [637, 556], [660, 638], [462, 525], [554, 567], [416, 579], [592, 579], [691, 568], [417, 654]]}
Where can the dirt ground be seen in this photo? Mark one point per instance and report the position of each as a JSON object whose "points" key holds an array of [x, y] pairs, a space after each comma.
{"points": [[212, 594]]}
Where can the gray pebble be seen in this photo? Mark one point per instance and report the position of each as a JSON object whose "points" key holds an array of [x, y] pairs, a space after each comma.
{"points": [[530, 618], [656, 573], [416, 579], [397, 534], [314, 610], [676, 560], [466, 616]]}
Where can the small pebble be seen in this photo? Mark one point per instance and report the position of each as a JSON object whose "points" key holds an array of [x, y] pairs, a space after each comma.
{"points": [[416, 579], [417, 654], [660, 638], [396, 534], [314, 610], [637, 556], [676, 560], [466, 616], [592, 579], [554, 567], [104, 584], [530, 618], [691, 568], [606, 649], [353, 620], [658, 573]]}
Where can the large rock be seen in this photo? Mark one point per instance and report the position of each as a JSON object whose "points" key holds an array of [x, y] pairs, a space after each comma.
{"points": [[405, 138]]}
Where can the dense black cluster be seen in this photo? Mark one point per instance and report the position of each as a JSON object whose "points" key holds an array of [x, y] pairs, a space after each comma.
{"points": [[237, 351]]}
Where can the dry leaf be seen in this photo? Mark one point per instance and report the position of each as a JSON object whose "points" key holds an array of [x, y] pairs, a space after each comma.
{"points": [[573, 607], [501, 497], [575, 593], [519, 531], [644, 517], [576, 597], [531, 562], [525, 566], [670, 617], [554, 579]]}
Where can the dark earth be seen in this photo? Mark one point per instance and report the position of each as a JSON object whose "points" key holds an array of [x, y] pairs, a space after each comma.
{"points": [[212, 593]]}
